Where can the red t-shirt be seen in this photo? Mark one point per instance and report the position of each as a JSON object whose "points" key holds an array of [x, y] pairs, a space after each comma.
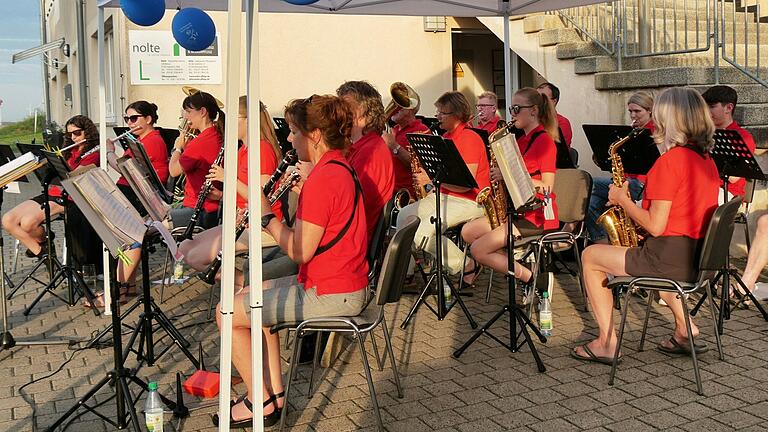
{"points": [[565, 128], [490, 126], [74, 162], [690, 181], [196, 161], [540, 156], [737, 188], [157, 151], [372, 161], [326, 200], [403, 175], [472, 149], [642, 177], [268, 166]]}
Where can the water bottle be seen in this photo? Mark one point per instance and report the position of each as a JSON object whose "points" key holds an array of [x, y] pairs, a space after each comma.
{"points": [[178, 272], [447, 294], [545, 315], [153, 410]]}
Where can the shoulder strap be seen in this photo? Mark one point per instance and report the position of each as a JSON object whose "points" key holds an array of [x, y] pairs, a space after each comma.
{"points": [[330, 244], [532, 140]]}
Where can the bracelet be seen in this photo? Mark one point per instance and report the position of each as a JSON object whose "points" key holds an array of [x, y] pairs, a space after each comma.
{"points": [[176, 149]]}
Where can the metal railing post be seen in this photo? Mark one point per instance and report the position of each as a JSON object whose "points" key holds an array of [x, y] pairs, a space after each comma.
{"points": [[716, 39]]}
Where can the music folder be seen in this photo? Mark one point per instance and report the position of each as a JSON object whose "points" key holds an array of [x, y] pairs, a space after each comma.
{"points": [[516, 178], [638, 154], [16, 168]]}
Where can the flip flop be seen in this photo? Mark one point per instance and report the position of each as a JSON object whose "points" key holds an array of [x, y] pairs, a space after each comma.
{"points": [[678, 348], [591, 357]]}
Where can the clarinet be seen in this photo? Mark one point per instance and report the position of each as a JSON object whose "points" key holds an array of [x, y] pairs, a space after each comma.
{"points": [[209, 275], [289, 159], [204, 191]]}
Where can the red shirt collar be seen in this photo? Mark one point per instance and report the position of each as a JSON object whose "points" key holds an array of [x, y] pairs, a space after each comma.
{"points": [[733, 126], [493, 121], [459, 129]]}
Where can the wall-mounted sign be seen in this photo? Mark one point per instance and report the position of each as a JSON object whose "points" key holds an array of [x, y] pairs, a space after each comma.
{"points": [[156, 58]]}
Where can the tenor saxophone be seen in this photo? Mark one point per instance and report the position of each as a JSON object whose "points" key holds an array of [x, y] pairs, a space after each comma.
{"points": [[620, 228], [493, 198]]}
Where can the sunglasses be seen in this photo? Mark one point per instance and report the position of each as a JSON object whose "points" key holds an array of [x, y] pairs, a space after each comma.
{"points": [[442, 114], [76, 132], [515, 109], [132, 119]]}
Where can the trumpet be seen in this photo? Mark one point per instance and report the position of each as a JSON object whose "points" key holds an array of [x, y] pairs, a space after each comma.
{"points": [[186, 132]]}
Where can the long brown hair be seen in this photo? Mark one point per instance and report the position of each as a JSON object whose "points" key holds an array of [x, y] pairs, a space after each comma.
{"points": [[547, 115], [205, 100], [89, 129], [369, 99], [329, 114]]}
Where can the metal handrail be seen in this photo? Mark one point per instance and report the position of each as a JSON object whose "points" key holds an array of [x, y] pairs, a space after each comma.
{"points": [[732, 57], [650, 39], [595, 24]]}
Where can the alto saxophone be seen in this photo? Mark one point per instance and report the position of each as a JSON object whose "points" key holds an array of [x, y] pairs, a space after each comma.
{"points": [[493, 198], [620, 228], [403, 196]]}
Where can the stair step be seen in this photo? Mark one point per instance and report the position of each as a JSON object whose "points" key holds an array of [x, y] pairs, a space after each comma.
{"points": [[558, 36], [596, 64], [571, 50], [537, 23], [751, 114], [670, 76], [748, 93], [760, 134]]}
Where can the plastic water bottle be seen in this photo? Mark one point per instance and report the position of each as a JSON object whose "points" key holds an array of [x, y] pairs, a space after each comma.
{"points": [[545, 315], [153, 410], [178, 272]]}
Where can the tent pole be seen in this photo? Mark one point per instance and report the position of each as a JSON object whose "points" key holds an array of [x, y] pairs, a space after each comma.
{"points": [[103, 141], [234, 36], [254, 196], [508, 68]]}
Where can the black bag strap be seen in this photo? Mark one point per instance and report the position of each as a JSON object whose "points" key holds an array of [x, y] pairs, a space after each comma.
{"points": [[532, 140], [358, 189]]}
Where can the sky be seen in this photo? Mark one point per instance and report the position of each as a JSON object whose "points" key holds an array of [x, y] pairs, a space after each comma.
{"points": [[21, 84]]}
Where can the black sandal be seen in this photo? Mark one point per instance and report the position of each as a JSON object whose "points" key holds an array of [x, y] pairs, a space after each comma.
{"points": [[270, 419], [127, 292], [475, 272]]}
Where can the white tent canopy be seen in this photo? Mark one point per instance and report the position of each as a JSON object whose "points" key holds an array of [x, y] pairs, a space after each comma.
{"points": [[458, 8]]}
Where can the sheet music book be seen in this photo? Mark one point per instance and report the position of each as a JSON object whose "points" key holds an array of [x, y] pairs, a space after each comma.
{"points": [[113, 217], [516, 177], [19, 167], [139, 181], [143, 160]]}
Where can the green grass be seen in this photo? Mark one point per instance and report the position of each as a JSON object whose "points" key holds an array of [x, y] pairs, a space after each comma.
{"points": [[23, 131]]}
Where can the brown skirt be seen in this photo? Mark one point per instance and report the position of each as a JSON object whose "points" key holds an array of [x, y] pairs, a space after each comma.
{"points": [[673, 257]]}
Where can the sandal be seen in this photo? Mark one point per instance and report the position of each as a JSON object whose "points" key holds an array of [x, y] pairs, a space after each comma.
{"points": [[269, 419], [474, 273], [678, 348], [127, 292], [591, 357]]}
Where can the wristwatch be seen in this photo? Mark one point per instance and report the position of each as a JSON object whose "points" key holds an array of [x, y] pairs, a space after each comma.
{"points": [[396, 149], [266, 219]]}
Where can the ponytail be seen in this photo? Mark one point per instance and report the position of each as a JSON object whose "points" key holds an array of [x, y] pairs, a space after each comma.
{"points": [[547, 115]]}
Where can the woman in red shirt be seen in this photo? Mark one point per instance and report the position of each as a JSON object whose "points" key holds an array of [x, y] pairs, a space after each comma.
{"points": [[535, 115], [194, 158], [203, 248], [331, 280], [458, 203], [679, 199], [24, 222]]}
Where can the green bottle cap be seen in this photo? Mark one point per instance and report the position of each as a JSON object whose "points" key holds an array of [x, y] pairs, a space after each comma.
{"points": [[545, 294], [152, 386]]}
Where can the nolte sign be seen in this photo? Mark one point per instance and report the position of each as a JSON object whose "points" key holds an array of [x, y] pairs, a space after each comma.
{"points": [[156, 58]]}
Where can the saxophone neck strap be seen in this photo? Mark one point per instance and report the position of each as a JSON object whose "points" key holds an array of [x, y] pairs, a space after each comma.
{"points": [[531, 141], [340, 235]]}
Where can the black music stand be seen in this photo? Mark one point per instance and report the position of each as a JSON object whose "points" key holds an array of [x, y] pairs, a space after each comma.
{"points": [[516, 314], [638, 154], [74, 279], [443, 164], [140, 154], [114, 238], [8, 341], [733, 159]]}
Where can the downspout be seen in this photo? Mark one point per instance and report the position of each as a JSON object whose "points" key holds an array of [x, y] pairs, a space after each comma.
{"points": [[82, 64], [46, 77]]}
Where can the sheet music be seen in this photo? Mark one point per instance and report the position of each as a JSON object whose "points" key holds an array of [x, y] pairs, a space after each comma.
{"points": [[516, 177], [150, 197], [116, 211], [18, 167]]}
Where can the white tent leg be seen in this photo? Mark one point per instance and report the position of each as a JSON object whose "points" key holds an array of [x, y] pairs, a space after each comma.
{"points": [[103, 144]]}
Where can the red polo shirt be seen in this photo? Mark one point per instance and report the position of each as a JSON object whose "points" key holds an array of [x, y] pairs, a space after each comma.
{"points": [[372, 161], [737, 188], [403, 175], [489, 126], [326, 200], [74, 162], [268, 166], [565, 128], [540, 156], [690, 181], [157, 151], [196, 161], [472, 149]]}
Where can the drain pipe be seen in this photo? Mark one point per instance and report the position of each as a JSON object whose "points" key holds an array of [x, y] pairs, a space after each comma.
{"points": [[46, 83], [82, 64]]}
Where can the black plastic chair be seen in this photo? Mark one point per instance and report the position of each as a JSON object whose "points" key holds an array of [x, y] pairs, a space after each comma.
{"points": [[389, 288], [712, 258]]}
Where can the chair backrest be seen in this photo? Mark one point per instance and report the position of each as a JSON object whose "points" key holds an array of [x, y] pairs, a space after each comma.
{"points": [[574, 156], [749, 191], [572, 190], [718, 238], [376, 242], [389, 287]]}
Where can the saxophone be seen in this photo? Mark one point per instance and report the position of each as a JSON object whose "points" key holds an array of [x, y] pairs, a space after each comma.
{"points": [[493, 198], [620, 228], [403, 197]]}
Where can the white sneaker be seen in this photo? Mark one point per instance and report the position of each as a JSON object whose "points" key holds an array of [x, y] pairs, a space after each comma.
{"points": [[761, 291]]}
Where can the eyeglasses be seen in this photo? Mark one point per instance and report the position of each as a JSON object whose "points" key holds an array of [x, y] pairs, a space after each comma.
{"points": [[442, 114], [77, 132], [484, 106], [132, 119], [515, 109]]}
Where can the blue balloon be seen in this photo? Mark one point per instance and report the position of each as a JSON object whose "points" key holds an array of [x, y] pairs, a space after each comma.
{"points": [[193, 29], [301, 2], [143, 12]]}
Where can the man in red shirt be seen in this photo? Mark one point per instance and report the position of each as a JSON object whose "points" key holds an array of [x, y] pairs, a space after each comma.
{"points": [[397, 142], [487, 105], [722, 102], [553, 93]]}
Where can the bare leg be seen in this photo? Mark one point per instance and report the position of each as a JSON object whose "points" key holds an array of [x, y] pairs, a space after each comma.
{"points": [[758, 254], [681, 333], [23, 223], [597, 262], [490, 250]]}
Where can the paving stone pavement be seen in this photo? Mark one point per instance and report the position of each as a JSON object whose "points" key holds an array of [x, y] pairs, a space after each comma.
{"points": [[486, 389]]}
